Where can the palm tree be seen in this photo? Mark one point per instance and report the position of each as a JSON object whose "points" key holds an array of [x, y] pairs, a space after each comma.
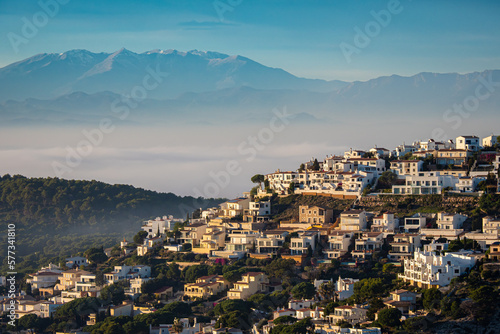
{"points": [[177, 326]]}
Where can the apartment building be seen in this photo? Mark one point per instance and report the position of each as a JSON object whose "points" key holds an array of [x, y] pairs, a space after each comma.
{"points": [[338, 243], [428, 270], [425, 183], [403, 246], [353, 220]]}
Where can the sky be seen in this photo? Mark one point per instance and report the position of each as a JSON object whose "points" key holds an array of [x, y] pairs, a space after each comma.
{"points": [[313, 39]]}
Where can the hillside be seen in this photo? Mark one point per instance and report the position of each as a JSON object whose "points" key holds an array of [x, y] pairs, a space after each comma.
{"points": [[55, 218]]}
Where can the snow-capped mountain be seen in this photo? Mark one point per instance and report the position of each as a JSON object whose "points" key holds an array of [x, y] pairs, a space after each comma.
{"points": [[51, 75]]}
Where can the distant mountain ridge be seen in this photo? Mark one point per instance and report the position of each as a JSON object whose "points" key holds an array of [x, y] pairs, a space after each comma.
{"points": [[79, 86], [52, 75]]}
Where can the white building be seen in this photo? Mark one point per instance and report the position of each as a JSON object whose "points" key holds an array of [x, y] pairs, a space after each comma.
{"points": [[76, 261], [345, 287], [380, 152], [491, 225], [403, 149], [489, 141], [428, 270], [415, 223], [446, 221], [280, 181], [403, 246], [300, 245], [338, 243], [43, 279], [353, 220], [87, 283], [257, 211], [386, 222], [367, 244], [467, 143], [295, 304], [128, 272], [425, 183], [160, 225], [468, 184], [270, 241], [353, 315], [407, 167], [235, 207]]}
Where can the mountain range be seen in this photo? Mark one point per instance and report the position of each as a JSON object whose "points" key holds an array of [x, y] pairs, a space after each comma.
{"points": [[78, 86]]}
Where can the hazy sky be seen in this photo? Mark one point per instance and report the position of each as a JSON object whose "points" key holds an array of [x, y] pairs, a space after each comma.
{"points": [[302, 37]]}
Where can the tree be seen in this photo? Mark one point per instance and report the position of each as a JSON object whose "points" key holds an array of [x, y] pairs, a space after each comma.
{"points": [[327, 290], [258, 178], [232, 276], [291, 188], [113, 293], [376, 304], [140, 236], [387, 180], [389, 317], [416, 324], [315, 165], [96, 255], [284, 320], [192, 273], [302, 167], [281, 268], [99, 278], [431, 298], [304, 290]]}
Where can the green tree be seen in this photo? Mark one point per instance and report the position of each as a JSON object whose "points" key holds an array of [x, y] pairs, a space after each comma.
{"points": [[315, 165], [140, 236], [327, 290], [258, 178], [281, 268], [192, 273], [389, 317], [284, 320], [416, 324], [431, 298], [304, 290], [113, 293], [96, 255], [231, 305]]}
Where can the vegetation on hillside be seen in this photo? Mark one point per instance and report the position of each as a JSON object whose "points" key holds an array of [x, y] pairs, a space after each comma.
{"points": [[55, 218]]}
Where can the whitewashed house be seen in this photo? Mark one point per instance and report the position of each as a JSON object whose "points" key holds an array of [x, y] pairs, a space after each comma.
{"points": [[338, 243], [467, 143], [353, 220], [446, 221], [425, 183], [428, 270], [385, 222], [345, 287]]}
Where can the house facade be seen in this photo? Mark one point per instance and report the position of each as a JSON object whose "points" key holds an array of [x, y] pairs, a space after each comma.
{"points": [[428, 270], [250, 284], [315, 215]]}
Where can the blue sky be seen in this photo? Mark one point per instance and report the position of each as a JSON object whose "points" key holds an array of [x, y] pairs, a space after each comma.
{"points": [[302, 37]]}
